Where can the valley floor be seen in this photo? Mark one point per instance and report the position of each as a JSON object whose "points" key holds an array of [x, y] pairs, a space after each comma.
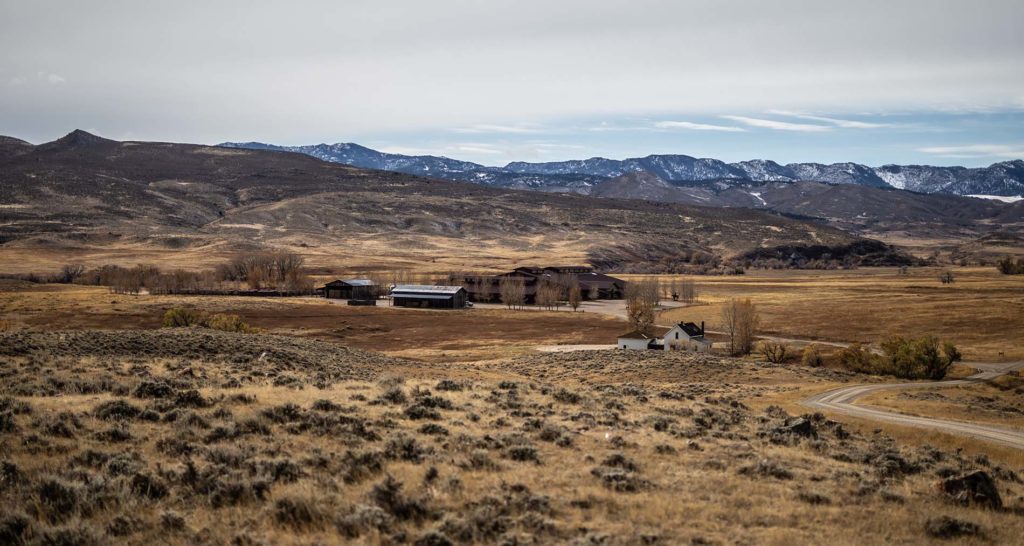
{"points": [[450, 425]]}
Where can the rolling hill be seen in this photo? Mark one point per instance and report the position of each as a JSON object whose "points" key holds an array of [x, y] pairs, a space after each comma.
{"points": [[89, 199]]}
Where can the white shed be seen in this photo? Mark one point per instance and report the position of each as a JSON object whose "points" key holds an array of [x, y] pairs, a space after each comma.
{"points": [[640, 341]]}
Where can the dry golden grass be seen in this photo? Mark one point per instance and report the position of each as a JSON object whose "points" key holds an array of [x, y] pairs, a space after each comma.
{"points": [[982, 312], [414, 253], [705, 468], [977, 403]]}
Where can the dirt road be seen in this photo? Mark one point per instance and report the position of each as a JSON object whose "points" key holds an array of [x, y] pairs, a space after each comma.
{"points": [[843, 401]]}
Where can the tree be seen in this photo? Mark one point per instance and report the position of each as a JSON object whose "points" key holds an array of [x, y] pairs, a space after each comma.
{"points": [[641, 299], [946, 277], [70, 273], [739, 320], [688, 291], [547, 294], [575, 297], [512, 291]]}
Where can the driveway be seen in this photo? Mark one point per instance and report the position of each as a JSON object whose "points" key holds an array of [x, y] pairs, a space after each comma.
{"points": [[843, 401]]}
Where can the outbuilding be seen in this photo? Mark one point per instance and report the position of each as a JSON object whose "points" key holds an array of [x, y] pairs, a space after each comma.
{"points": [[350, 289], [642, 341], [427, 296]]}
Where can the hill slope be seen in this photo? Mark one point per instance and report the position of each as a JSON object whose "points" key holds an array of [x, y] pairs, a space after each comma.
{"points": [[94, 199]]}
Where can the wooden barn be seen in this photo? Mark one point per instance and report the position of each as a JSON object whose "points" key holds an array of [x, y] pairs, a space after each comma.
{"points": [[351, 289], [433, 297]]}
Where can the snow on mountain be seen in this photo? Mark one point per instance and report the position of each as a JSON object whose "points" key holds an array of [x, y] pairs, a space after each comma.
{"points": [[999, 179], [1001, 198]]}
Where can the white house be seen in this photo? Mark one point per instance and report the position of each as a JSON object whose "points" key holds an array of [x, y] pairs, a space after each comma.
{"points": [[687, 336], [684, 336]]}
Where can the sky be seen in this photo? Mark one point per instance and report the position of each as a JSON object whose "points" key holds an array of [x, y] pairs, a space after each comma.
{"points": [[936, 82]]}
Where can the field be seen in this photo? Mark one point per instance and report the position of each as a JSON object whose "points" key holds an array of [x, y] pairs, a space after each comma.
{"points": [[410, 333], [342, 424], [982, 311]]}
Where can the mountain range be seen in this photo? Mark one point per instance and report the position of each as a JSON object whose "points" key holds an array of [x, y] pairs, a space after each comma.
{"points": [[580, 176]]}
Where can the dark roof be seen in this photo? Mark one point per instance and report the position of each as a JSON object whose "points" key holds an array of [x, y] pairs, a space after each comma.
{"points": [[691, 329], [351, 282], [655, 333], [425, 291], [598, 277]]}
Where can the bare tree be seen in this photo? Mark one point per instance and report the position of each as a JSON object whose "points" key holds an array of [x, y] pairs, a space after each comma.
{"points": [[70, 273], [575, 297], [739, 320], [688, 291], [513, 292], [641, 300], [774, 352]]}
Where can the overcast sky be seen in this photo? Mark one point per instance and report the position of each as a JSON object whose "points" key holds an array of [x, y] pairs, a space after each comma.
{"points": [[933, 81]]}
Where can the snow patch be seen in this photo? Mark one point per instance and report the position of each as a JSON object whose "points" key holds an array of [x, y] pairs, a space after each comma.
{"points": [[1003, 198], [759, 198]]}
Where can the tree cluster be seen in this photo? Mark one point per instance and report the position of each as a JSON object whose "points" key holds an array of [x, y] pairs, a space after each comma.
{"points": [[915, 358], [1009, 266]]}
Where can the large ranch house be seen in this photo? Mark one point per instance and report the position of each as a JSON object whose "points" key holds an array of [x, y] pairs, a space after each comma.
{"points": [[593, 286]]}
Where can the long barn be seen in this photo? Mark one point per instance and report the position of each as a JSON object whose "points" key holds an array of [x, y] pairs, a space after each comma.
{"points": [[434, 297]]}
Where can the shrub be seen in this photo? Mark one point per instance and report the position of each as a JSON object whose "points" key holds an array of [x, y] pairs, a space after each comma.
{"points": [[189, 318], [812, 357], [773, 352], [182, 318], [1007, 266], [297, 513], [858, 358], [227, 323]]}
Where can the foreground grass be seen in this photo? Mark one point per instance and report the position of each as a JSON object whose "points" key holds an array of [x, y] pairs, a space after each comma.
{"points": [[192, 437]]}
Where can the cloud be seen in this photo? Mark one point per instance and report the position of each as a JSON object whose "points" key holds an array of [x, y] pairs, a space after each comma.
{"points": [[697, 126], [477, 149], [41, 77], [843, 123], [972, 151], [492, 128], [780, 125]]}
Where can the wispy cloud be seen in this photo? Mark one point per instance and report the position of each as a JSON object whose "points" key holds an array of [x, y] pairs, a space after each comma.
{"points": [[41, 77], [779, 125], [483, 128], [698, 126], [973, 151], [843, 123]]}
